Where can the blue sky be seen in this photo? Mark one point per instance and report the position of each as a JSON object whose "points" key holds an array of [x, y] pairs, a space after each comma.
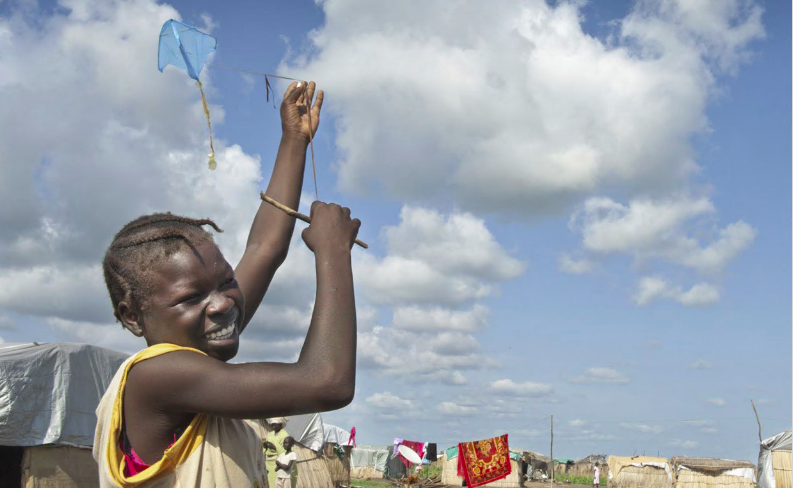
{"points": [[579, 210]]}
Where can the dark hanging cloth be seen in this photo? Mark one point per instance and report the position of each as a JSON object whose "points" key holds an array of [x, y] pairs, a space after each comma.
{"points": [[432, 452], [394, 468]]}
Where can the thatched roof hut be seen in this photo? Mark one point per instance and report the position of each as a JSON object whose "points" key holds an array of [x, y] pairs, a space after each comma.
{"points": [[639, 472], [774, 464], [693, 472], [312, 471]]}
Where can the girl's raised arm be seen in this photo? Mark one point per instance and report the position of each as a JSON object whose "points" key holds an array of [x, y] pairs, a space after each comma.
{"points": [[271, 231]]}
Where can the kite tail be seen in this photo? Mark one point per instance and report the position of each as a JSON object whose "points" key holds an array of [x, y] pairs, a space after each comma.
{"points": [[212, 163]]}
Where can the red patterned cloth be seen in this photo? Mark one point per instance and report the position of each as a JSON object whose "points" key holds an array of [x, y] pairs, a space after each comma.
{"points": [[485, 461], [416, 446]]}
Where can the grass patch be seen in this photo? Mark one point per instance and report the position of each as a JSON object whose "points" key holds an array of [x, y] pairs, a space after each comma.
{"points": [[579, 480], [428, 471]]}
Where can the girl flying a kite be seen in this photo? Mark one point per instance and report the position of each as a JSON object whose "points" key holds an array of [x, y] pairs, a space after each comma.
{"points": [[174, 413]]}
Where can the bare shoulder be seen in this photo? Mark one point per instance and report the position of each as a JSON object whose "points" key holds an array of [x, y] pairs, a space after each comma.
{"points": [[159, 379]]}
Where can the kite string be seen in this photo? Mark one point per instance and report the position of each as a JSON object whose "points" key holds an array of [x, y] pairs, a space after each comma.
{"points": [[268, 88], [311, 141], [212, 163]]}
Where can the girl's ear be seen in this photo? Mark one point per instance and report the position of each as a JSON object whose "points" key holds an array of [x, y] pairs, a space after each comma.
{"points": [[130, 318]]}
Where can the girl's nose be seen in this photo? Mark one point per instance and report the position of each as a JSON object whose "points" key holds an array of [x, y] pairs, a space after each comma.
{"points": [[219, 304]]}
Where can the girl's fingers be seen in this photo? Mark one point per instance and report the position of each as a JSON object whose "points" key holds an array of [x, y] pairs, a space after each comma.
{"points": [[318, 104], [310, 92], [294, 91]]}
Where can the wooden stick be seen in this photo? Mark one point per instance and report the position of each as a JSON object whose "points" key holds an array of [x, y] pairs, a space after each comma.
{"points": [[759, 429], [300, 216]]}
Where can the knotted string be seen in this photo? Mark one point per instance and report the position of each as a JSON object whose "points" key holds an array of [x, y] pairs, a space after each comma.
{"points": [[268, 88]]}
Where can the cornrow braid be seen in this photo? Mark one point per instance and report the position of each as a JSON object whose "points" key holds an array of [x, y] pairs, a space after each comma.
{"points": [[140, 246]]}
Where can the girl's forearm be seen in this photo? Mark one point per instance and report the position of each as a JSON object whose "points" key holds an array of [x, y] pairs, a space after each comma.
{"points": [[330, 346], [285, 186]]}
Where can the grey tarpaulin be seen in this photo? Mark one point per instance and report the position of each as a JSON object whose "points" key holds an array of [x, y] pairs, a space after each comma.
{"points": [[371, 456], [765, 466], [49, 392]]}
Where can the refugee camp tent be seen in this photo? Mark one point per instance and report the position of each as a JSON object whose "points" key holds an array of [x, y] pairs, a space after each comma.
{"points": [[586, 466], [49, 394], [336, 453], [712, 473], [639, 472], [535, 466], [311, 469], [562, 465], [448, 464], [368, 462], [774, 463]]}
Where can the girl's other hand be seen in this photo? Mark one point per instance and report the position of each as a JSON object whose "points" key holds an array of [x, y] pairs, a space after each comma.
{"points": [[331, 228], [294, 109]]}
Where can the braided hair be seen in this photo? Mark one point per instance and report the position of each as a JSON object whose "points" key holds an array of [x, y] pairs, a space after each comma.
{"points": [[140, 246]]}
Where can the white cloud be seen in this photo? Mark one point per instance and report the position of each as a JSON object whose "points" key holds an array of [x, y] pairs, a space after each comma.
{"points": [[659, 229], [716, 401], [700, 364], [451, 408], [93, 137], [644, 428], [601, 375], [419, 356], [527, 389], [560, 113], [652, 287], [427, 263], [685, 444], [388, 401], [436, 318], [575, 266], [576, 423]]}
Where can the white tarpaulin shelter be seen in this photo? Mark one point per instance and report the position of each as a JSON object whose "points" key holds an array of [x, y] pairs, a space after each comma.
{"points": [[308, 430], [774, 463], [49, 392], [337, 435]]}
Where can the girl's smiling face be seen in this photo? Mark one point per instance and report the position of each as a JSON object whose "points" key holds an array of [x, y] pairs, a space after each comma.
{"points": [[195, 301]]}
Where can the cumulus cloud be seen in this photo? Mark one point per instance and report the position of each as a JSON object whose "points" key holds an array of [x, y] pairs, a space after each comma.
{"points": [[601, 375], [388, 401], [527, 389], [91, 138], [427, 263], [437, 318], [429, 357], [651, 288], [451, 408], [576, 423], [560, 113], [647, 228]]}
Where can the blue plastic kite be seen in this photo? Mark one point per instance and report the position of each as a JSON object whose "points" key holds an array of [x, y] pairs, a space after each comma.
{"points": [[187, 48]]}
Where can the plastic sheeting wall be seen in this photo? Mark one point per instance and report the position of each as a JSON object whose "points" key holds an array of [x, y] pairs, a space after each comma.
{"points": [[49, 392], [767, 472]]}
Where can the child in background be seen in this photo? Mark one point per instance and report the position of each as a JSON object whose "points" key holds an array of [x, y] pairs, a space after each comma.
{"points": [[284, 465], [174, 413]]}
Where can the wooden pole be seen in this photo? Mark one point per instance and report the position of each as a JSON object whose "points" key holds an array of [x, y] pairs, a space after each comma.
{"points": [[759, 429], [300, 216], [552, 470]]}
